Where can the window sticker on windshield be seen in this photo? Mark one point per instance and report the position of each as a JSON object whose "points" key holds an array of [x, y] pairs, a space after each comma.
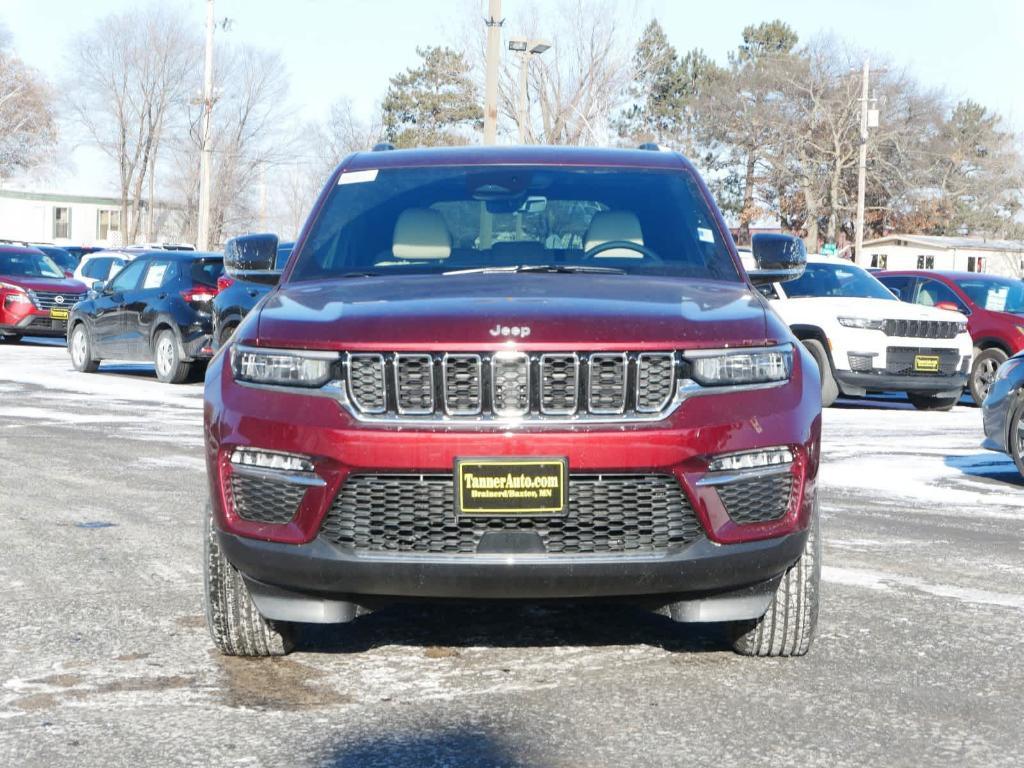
{"points": [[995, 300], [705, 235], [155, 276], [357, 177]]}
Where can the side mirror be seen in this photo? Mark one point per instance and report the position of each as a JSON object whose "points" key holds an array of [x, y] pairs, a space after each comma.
{"points": [[778, 258], [949, 306], [252, 258], [99, 287]]}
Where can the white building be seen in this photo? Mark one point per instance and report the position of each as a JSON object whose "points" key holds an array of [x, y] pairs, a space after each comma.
{"points": [[40, 217], [966, 254]]}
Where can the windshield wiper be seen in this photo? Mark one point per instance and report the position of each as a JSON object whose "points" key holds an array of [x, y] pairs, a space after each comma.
{"points": [[553, 268], [361, 274]]}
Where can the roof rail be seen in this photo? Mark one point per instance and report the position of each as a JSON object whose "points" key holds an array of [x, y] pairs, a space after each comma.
{"points": [[383, 146]]}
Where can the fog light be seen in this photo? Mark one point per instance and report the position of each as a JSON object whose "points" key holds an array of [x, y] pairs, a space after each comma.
{"points": [[286, 462], [767, 457]]}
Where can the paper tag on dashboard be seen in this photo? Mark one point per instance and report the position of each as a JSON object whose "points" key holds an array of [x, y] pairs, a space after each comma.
{"points": [[358, 177], [705, 235]]}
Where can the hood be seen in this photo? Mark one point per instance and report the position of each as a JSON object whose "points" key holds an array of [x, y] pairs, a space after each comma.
{"points": [[64, 285], [489, 311], [876, 309]]}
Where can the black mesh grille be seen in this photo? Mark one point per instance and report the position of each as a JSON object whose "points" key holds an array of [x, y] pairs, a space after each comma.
{"points": [[607, 383], [559, 385], [415, 514], [264, 501], [511, 383], [655, 377], [758, 500], [462, 384], [922, 329], [861, 363], [900, 361], [366, 382], [46, 324], [415, 390]]}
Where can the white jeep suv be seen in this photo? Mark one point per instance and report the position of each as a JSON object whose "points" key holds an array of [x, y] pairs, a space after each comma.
{"points": [[866, 340]]}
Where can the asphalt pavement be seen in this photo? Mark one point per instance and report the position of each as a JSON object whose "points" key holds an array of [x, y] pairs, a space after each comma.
{"points": [[105, 661]]}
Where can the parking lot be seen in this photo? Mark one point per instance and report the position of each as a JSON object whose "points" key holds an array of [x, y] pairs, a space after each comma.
{"points": [[104, 657]]}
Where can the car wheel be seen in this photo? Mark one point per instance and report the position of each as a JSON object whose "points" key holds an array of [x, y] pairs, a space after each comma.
{"points": [[170, 368], [787, 627], [829, 388], [1015, 440], [81, 350], [13, 338], [983, 372], [226, 333], [235, 624]]}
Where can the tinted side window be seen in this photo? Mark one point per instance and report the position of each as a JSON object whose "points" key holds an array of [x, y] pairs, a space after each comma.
{"points": [[128, 277], [156, 275], [932, 292], [206, 271], [97, 269], [902, 286]]}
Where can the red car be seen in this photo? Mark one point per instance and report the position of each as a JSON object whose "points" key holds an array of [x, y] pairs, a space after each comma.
{"points": [[529, 373], [994, 306], [35, 296]]}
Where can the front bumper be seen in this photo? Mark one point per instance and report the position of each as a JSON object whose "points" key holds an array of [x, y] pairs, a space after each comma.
{"points": [[857, 384], [36, 323]]}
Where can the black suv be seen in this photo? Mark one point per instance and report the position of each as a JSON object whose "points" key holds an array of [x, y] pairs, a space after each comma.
{"points": [[236, 297], [155, 308]]}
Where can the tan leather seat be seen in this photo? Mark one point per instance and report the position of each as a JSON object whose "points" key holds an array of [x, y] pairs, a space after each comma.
{"points": [[607, 226], [421, 234]]}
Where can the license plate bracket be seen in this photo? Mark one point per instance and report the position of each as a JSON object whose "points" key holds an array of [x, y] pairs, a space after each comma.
{"points": [[511, 487], [926, 363], [58, 314]]}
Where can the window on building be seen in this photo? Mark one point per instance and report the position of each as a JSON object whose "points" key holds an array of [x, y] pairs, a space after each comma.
{"points": [[108, 220], [61, 223], [925, 262], [879, 260]]}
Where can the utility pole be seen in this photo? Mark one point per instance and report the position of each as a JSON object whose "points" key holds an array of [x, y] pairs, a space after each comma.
{"points": [[524, 108], [493, 22], [862, 165], [203, 235]]}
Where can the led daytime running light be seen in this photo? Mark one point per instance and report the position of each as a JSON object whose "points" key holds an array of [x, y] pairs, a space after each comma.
{"points": [[285, 462], [768, 457]]}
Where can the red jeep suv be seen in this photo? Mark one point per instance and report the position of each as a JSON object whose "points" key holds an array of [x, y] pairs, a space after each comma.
{"points": [[513, 374]]}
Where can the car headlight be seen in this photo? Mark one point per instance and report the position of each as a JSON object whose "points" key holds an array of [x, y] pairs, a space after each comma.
{"points": [[741, 366], [294, 368], [1020, 329], [863, 323], [15, 294]]}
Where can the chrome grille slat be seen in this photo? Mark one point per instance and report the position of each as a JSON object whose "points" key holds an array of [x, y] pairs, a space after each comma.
{"points": [[414, 383], [463, 384], [559, 383], [607, 383], [48, 299], [508, 384]]}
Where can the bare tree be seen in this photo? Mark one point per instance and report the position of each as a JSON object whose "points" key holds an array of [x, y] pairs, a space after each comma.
{"points": [[28, 130], [130, 75], [344, 133], [249, 140]]}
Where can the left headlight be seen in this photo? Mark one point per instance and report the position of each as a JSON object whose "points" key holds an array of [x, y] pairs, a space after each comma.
{"points": [[292, 368], [862, 322], [741, 366]]}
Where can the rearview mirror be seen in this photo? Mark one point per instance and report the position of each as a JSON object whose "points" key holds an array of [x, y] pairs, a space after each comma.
{"points": [[778, 258], [253, 258]]}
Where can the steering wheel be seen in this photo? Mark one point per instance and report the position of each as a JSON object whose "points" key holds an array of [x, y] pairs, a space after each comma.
{"points": [[627, 244]]}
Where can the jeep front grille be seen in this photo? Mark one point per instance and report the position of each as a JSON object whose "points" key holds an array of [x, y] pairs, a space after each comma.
{"points": [[899, 361], [415, 514], [512, 385], [922, 329]]}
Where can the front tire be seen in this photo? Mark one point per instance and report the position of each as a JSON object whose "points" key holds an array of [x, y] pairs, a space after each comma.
{"points": [[983, 372], [81, 350], [14, 338], [236, 626], [931, 402], [170, 368], [829, 387], [787, 628], [1015, 440]]}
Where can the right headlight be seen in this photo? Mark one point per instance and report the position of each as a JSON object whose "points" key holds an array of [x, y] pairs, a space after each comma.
{"points": [[293, 368], [741, 366]]}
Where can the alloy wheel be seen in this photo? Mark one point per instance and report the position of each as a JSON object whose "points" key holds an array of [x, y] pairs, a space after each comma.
{"points": [[78, 347], [164, 355], [985, 375]]}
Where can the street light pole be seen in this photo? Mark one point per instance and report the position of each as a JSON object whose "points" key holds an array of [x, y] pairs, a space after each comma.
{"points": [[203, 234], [862, 165], [524, 120], [493, 22]]}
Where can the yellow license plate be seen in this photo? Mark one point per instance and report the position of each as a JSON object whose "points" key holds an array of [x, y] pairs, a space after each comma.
{"points": [[504, 487], [926, 363], [58, 314]]}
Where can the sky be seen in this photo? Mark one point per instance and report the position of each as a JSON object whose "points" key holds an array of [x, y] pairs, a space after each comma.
{"points": [[349, 48]]}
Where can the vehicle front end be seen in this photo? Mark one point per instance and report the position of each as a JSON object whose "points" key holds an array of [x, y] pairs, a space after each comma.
{"points": [[37, 308]]}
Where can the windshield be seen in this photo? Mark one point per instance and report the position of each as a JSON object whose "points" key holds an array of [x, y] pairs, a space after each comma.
{"points": [[29, 264], [61, 258], [453, 220], [847, 280], [995, 294]]}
